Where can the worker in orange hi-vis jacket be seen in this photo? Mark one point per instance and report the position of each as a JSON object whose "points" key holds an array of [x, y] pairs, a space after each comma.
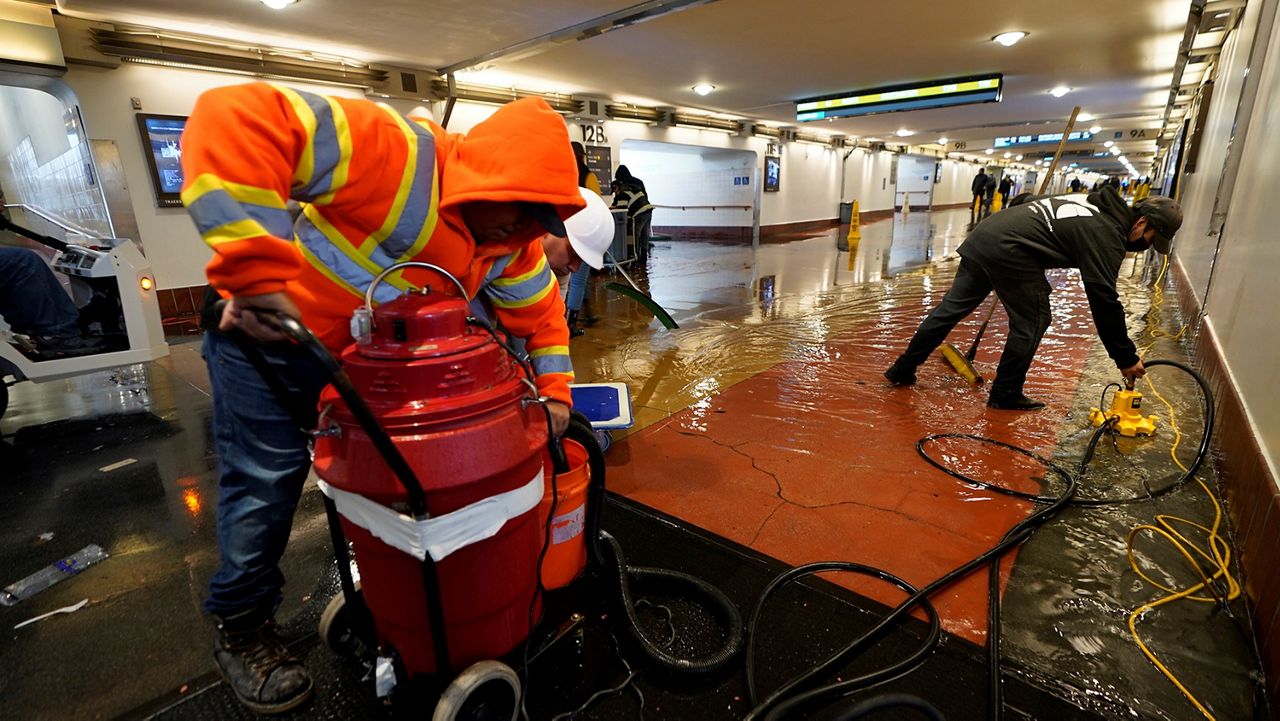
{"points": [[376, 188]]}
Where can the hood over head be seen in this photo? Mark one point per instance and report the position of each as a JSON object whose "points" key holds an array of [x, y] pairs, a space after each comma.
{"points": [[1108, 200], [520, 154]]}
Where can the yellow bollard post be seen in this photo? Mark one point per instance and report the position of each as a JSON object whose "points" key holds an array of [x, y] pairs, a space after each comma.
{"points": [[855, 227]]}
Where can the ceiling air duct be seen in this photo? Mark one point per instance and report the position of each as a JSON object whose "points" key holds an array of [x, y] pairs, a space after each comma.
{"points": [[150, 47]]}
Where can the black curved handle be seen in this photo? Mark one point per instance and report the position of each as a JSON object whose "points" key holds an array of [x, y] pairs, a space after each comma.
{"points": [[300, 334]]}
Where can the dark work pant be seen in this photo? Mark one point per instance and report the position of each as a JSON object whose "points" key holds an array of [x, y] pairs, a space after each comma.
{"points": [[32, 300], [1026, 302]]}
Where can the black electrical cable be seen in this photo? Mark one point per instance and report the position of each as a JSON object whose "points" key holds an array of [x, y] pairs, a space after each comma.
{"points": [[789, 697], [1201, 453]]}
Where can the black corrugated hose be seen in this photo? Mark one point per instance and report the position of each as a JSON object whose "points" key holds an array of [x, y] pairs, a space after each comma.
{"points": [[606, 553]]}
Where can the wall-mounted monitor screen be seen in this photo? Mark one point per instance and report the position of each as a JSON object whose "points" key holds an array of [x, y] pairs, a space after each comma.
{"points": [[896, 98], [162, 142], [772, 173]]}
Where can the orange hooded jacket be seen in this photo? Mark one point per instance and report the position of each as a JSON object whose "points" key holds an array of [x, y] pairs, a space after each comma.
{"points": [[376, 189]]}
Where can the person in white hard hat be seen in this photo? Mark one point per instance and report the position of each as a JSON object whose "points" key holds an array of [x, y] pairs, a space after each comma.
{"points": [[590, 232]]}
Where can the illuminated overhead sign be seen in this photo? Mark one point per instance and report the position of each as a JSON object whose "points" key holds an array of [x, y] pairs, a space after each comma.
{"points": [[1042, 138], [932, 94]]}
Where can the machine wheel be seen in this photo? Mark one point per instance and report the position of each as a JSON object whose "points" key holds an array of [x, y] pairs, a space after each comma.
{"points": [[486, 691], [336, 631]]}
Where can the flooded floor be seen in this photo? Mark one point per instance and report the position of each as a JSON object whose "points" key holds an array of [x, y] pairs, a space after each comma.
{"points": [[762, 419]]}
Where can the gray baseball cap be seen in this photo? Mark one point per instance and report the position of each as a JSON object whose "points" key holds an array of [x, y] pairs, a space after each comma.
{"points": [[1165, 215]]}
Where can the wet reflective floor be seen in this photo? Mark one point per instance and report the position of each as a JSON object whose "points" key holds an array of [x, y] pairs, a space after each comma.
{"points": [[763, 419]]}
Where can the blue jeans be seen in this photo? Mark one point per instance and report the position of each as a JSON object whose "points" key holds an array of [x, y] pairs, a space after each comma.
{"points": [[1025, 301], [263, 463], [32, 300], [578, 283]]}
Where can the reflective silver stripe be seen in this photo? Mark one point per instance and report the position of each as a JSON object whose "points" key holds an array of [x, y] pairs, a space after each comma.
{"points": [[498, 266], [216, 208], [417, 204], [552, 364], [338, 262], [525, 289], [324, 149]]}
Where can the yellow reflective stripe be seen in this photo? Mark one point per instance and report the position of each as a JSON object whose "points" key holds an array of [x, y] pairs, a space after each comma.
{"points": [[342, 129], [238, 230], [306, 162], [341, 243], [549, 350], [402, 193], [326, 271], [514, 280], [525, 302], [206, 182]]}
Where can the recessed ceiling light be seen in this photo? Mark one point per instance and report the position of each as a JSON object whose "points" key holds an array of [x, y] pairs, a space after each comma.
{"points": [[278, 4], [1115, 150], [1084, 117], [1095, 130], [1059, 91], [903, 132], [942, 140], [1018, 158], [990, 151], [1108, 144], [1008, 155], [703, 88], [1010, 38]]}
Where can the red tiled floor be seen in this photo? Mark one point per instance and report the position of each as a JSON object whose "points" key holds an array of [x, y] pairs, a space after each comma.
{"points": [[829, 436]]}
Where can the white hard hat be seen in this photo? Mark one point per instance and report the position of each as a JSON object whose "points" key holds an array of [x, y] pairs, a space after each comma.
{"points": [[591, 229]]}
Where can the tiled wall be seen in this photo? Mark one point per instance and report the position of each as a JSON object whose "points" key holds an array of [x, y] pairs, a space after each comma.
{"points": [[1253, 502], [47, 161]]}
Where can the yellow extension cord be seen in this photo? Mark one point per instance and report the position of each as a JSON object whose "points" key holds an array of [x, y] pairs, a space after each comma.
{"points": [[1219, 554]]}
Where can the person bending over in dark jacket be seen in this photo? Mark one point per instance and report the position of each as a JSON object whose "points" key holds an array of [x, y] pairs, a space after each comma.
{"points": [[979, 188], [1010, 251]]}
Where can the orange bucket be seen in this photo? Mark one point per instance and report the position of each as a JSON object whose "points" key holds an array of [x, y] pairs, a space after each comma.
{"points": [[567, 555]]}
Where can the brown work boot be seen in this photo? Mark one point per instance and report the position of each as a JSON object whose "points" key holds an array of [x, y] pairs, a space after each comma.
{"points": [[258, 666]]}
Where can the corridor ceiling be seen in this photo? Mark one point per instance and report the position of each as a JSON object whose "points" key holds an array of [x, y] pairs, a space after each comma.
{"points": [[761, 55]]}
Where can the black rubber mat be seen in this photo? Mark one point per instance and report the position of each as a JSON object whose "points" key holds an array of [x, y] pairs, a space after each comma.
{"points": [[804, 621]]}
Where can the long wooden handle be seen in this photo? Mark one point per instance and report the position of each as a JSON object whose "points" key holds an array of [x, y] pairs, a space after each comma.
{"points": [[1071, 123]]}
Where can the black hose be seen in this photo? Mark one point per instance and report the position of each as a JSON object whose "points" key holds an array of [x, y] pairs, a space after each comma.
{"points": [[625, 575], [900, 668], [605, 553], [890, 701], [1201, 453], [49, 240], [789, 696]]}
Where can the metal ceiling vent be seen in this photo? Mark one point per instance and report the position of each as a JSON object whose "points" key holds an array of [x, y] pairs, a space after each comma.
{"points": [[150, 47]]}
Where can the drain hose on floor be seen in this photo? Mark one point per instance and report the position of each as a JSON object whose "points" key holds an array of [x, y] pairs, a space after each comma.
{"points": [[623, 575], [606, 554]]}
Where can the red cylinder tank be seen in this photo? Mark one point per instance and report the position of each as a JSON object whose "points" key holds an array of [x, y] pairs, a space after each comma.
{"points": [[452, 401]]}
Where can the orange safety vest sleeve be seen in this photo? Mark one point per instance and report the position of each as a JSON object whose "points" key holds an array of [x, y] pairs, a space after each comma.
{"points": [[248, 149], [526, 300], [376, 189]]}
